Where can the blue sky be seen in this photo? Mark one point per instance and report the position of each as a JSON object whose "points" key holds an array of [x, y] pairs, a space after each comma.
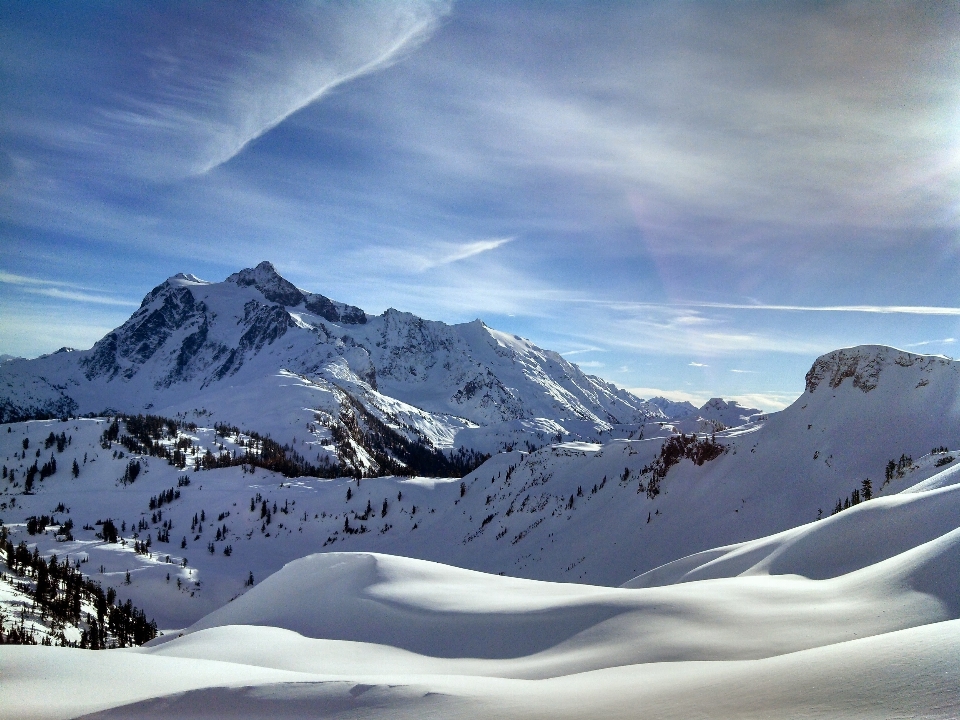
{"points": [[692, 199]]}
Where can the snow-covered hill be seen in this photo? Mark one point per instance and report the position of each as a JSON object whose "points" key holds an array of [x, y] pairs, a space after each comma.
{"points": [[839, 618], [256, 352]]}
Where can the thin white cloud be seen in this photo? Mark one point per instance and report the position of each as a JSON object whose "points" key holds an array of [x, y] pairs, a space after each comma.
{"points": [[679, 305], [581, 351], [735, 370], [52, 288], [874, 309], [203, 83], [591, 364], [462, 252], [414, 23], [945, 341], [81, 297], [12, 279], [696, 364]]}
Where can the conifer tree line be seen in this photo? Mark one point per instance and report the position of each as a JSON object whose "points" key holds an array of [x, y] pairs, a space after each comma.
{"points": [[59, 592], [859, 495], [48, 468], [392, 452], [897, 468]]}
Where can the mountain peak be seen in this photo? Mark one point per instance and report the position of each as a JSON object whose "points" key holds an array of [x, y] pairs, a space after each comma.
{"points": [[864, 364], [187, 277], [265, 278]]}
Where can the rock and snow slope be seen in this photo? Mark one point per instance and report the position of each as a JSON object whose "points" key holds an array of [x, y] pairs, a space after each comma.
{"points": [[570, 511], [822, 621], [855, 614], [257, 352]]}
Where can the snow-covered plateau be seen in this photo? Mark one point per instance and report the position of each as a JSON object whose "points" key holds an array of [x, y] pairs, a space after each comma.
{"points": [[613, 557]]}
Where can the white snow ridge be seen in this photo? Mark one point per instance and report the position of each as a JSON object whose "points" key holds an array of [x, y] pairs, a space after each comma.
{"points": [[319, 513]]}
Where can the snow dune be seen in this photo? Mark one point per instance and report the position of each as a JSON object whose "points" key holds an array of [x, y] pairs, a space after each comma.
{"points": [[851, 616]]}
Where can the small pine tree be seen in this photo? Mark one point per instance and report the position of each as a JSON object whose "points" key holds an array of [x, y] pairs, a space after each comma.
{"points": [[76, 468], [867, 490]]}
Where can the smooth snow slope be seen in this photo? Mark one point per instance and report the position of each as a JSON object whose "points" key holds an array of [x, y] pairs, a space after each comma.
{"points": [[824, 622]]}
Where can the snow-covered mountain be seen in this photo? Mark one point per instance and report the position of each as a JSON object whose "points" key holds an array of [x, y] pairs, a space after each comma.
{"points": [[256, 352], [732, 561], [570, 511], [716, 411]]}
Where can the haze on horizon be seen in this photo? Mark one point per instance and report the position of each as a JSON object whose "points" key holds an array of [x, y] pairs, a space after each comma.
{"points": [[688, 199]]}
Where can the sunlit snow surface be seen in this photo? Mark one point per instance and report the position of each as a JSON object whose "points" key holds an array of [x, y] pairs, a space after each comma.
{"points": [[851, 616], [768, 612], [368, 635]]}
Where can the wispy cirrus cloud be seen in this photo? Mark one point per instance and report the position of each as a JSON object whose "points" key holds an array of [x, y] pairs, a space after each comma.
{"points": [[428, 254], [464, 251], [871, 309], [945, 341], [581, 351], [679, 305], [199, 83], [13, 279], [62, 290]]}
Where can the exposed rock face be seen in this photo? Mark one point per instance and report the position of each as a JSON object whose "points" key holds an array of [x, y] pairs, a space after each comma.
{"points": [[277, 289], [864, 364], [267, 280]]}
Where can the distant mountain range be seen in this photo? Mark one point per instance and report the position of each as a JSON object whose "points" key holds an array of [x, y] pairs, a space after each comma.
{"points": [[256, 352]]}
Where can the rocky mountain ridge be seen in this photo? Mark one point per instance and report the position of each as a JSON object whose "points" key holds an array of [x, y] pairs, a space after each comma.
{"points": [[256, 351]]}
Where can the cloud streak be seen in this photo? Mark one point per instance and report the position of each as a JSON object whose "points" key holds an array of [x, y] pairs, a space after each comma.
{"points": [[52, 289], [465, 251], [206, 80], [869, 309]]}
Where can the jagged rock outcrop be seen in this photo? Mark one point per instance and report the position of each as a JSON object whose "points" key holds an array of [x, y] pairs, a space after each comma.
{"points": [[864, 364]]}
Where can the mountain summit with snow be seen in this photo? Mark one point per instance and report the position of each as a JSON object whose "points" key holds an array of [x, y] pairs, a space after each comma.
{"points": [[257, 352]]}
